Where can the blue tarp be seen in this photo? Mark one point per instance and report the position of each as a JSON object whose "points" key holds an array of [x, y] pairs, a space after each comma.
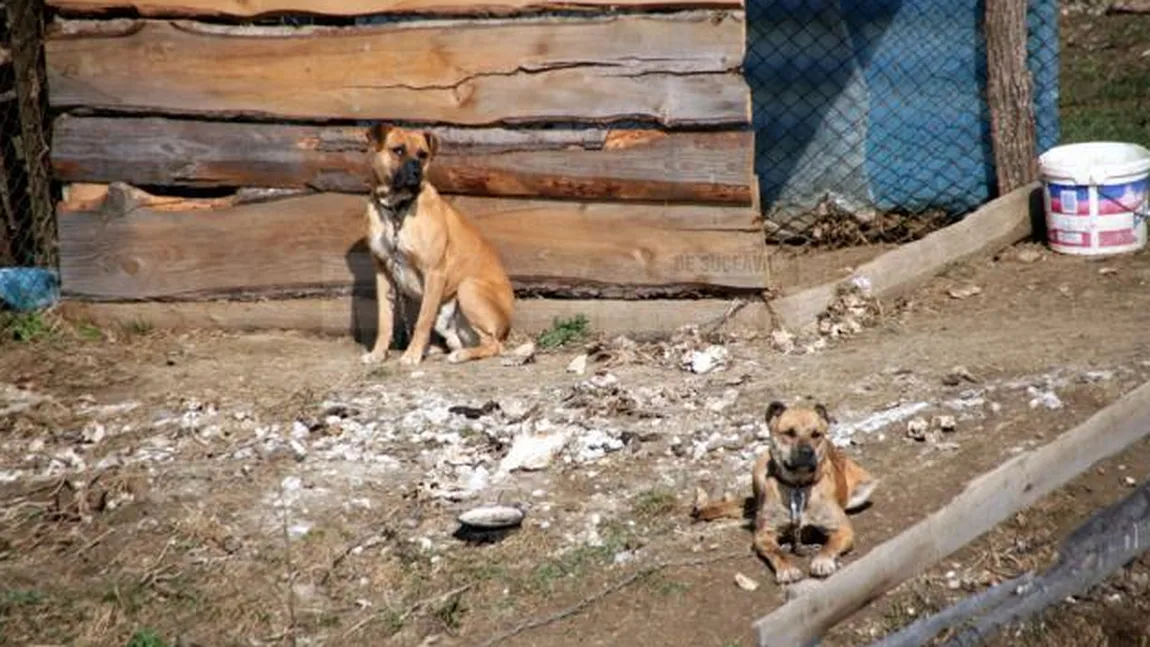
{"points": [[882, 102]]}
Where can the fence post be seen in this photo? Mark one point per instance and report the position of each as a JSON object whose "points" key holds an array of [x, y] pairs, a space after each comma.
{"points": [[26, 31], [1009, 94]]}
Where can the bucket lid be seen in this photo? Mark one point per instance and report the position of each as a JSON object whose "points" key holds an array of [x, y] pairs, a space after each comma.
{"points": [[1095, 162]]}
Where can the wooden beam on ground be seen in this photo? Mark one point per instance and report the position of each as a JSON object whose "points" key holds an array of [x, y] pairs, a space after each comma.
{"points": [[678, 69], [993, 226], [591, 164], [1009, 95], [130, 245], [259, 8], [986, 501], [1110, 539], [356, 315]]}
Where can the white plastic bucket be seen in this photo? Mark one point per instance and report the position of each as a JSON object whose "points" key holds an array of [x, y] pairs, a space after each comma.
{"points": [[1096, 197]]}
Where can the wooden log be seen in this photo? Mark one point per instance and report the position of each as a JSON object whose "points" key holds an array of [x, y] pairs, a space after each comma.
{"points": [[355, 315], [593, 164], [1009, 95], [260, 8], [677, 69], [1110, 539], [997, 224], [986, 501], [159, 248], [923, 630]]}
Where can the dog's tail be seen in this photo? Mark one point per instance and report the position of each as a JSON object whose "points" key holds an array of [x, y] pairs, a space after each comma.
{"points": [[725, 508]]}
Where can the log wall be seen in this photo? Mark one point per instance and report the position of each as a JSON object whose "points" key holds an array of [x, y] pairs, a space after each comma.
{"points": [[605, 149]]}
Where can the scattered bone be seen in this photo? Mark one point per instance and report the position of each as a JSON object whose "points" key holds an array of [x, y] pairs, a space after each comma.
{"points": [[964, 292], [745, 583], [578, 365], [916, 429], [522, 355], [944, 423]]}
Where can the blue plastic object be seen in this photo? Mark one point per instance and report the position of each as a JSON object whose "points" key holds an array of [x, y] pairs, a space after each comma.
{"points": [[28, 288]]}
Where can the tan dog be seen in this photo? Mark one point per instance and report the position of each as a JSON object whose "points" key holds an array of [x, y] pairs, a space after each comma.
{"points": [[801, 481], [428, 251]]}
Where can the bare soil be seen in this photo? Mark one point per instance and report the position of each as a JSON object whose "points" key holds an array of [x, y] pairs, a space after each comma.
{"points": [[149, 481]]}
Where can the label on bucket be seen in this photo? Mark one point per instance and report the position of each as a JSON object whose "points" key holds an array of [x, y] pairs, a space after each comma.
{"points": [[1120, 209], [1113, 199]]}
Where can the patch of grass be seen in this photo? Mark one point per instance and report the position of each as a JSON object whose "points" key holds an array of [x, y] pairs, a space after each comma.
{"points": [[146, 638], [654, 502], [89, 331], [1105, 93], [662, 585], [16, 598], [24, 327], [564, 331], [379, 372], [450, 613], [575, 563], [393, 620], [137, 327]]}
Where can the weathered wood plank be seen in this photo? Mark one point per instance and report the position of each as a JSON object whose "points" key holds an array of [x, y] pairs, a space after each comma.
{"points": [[258, 8], [676, 69], [355, 316], [993, 226], [575, 163], [986, 502], [314, 242]]}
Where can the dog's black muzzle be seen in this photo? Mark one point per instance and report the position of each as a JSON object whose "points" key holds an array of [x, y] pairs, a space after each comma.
{"points": [[408, 177], [804, 458]]}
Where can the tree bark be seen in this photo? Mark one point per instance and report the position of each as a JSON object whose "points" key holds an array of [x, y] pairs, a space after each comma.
{"points": [[1009, 94]]}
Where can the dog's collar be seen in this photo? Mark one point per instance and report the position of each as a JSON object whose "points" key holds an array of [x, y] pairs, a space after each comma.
{"points": [[396, 213]]}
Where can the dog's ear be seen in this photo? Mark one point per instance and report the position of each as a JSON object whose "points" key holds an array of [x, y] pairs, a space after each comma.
{"points": [[774, 410], [821, 409], [432, 144], [377, 134]]}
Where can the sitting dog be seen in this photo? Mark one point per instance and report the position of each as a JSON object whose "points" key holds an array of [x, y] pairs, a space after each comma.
{"points": [[426, 250], [801, 481]]}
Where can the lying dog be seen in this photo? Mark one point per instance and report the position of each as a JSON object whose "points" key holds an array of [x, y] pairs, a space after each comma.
{"points": [[801, 481], [426, 250]]}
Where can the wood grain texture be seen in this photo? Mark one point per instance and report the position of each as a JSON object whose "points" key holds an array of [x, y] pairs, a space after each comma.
{"points": [[1009, 95], [675, 69], [986, 501], [258, 8], [314, 242], [576, 163], [355, 315]]}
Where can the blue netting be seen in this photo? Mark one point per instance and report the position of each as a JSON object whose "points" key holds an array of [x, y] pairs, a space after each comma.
{"points": [[882, 102]]}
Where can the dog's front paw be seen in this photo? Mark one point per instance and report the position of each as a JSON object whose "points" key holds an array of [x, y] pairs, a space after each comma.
{"points": [[411, 359], [823, 566], [456, 356], [788, 573], [373, 357]]}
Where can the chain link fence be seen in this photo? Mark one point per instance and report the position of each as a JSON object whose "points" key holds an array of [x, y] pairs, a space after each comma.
{"points": [[27, 223], [871, 118]]}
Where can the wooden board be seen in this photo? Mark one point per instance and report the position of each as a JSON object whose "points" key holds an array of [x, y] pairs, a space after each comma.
{"points": [[676, 69], [573, 163], [355, 316], [255, 8], [997, 224], [314, 242], [987, 500]]}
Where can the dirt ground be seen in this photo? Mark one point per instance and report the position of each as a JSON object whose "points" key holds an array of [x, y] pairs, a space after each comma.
{"points": [[220, 489]]}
